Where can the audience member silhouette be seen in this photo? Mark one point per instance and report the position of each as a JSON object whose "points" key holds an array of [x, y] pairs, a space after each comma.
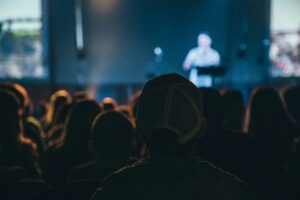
{"points": [[162, 126], [15, 149], [270, 122], [55, 137], [234, 109], [293, 172], [236, 152], [133, 103], [169, 117], [79, 96], [57, 100], [109, 103], [112, 135], [32, 127], [292, 99], [75, 149], [19, 92]]}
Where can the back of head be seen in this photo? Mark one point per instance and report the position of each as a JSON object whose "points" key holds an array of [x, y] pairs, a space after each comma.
{"points": [[112, 135], [79, 96], [8, 102], [170, 102], [109, 104], [292, 99], [269, 120], [57, 100], [234, 109], [79, 123], [10, 126], [213, 109], [267, 111], [18, 91]]}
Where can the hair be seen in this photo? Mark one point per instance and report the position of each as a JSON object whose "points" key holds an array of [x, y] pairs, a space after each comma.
{"points": [[112, 135], [9, 117], [79, 96], [213, 109], [11, 127], [292, 99], [109, 104], [55, 135], [58, 99], [205, 33], [18, 91], [78, 127], [270, 122], [133, 103], [234, 109]]}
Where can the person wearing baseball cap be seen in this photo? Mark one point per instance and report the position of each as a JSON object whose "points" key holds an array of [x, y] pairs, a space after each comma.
{"points": [[170, 119]]}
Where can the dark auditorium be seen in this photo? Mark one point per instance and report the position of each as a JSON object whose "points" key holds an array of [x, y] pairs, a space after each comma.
{"points": [[149, 100]]}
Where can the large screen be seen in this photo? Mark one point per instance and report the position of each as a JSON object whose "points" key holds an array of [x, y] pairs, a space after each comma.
{"points": [[131, 41], [21, 46], [285, 35]]}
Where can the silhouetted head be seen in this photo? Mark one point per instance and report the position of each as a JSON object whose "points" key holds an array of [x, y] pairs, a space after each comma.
{"points": [[109, 104], [11, 130], [213, 109], [170, 102], [292, 100], [79, 124], [234, 109], [80, 95], [18, 91], [112, 135], [270, 122], [10, 122], [57, 100], [10, 113]]}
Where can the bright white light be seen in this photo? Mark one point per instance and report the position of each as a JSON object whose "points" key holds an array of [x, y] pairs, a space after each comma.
{"points": [[79, 28], [158, 51]]}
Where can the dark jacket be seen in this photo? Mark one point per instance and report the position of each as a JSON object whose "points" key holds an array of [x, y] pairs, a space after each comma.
{"points": [[173, 178], [92, 170]]}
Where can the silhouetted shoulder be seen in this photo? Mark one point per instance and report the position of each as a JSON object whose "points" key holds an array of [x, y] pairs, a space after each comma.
{"points": [[83, 172], [188, 174], [13, 174]]}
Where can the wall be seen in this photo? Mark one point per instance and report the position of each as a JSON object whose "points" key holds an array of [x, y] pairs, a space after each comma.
{"points": [[121, 35]]}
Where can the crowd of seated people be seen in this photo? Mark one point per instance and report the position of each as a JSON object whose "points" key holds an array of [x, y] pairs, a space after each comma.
{"points": [[171, 141]]}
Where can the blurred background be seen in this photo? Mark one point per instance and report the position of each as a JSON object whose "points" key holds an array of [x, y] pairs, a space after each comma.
{"points": [[112, 47]]}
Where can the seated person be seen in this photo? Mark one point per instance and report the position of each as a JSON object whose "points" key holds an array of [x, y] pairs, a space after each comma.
{"points": [[15, 148], [170, 118], [112, 135]]}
